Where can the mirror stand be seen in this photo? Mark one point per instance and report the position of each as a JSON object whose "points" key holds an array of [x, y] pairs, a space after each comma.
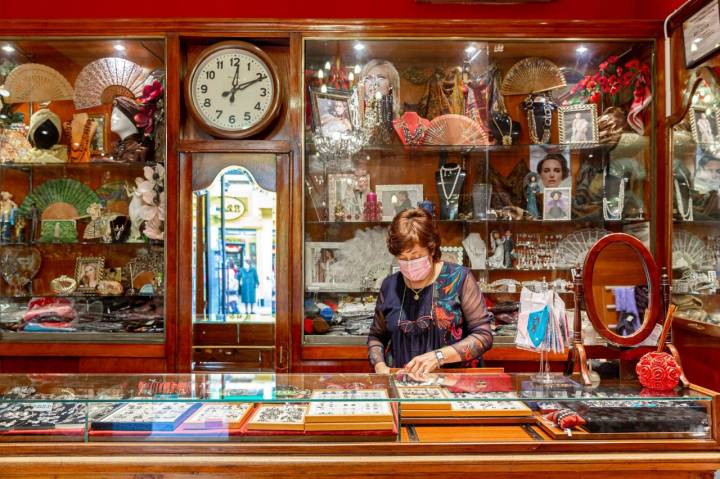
{"points": [[578, 355]]}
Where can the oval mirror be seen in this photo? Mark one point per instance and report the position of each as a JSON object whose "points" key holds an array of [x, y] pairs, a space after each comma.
{"points": [[621, 285]]}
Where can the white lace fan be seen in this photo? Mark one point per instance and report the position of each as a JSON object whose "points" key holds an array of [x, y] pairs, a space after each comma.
{"points": [[364, 259], [690, 252], [33, 82], [104, 79], [455, 130], [572, 249]]}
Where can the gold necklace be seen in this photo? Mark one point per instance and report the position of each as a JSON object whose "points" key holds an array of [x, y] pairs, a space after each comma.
{"points": [[417, 292]]}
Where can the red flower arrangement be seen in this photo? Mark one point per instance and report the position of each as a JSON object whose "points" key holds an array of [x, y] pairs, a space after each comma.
{"points": [[658, 371], [151, 107], [614, 80]]}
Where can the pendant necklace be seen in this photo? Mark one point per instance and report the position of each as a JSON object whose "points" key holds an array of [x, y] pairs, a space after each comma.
{"points": [[506, 138], [443, 172], [684, 215]]}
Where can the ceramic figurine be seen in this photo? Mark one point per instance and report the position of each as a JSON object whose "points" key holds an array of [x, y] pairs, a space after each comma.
{"points": [[8, 212], [532, 187], [508, 245]]}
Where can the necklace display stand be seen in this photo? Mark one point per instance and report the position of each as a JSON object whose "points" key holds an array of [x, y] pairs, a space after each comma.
{"points": [[450, 179]]}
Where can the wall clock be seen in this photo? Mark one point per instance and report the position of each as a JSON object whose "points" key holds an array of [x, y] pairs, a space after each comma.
{"points": [[232, 90]]}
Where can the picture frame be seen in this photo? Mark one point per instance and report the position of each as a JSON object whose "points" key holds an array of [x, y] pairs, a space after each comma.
{"points": [[452, 254], [89, 271], [320, 256], [557, 204], [704, 125], [349, 191], [393, 201], [331, 111], [701, 34], [99, 142], [578, 124], [553, 171]]}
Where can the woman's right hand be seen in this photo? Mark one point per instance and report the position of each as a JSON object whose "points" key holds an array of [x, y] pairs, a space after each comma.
{"points": [[382, 368]]}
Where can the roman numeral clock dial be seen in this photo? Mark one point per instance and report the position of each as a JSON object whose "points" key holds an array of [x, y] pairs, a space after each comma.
{"points": [[233, 90]]}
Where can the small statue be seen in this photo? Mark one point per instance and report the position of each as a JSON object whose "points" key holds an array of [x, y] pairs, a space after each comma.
{"points": [[99, 226], [20, 224], [8, 211], [532, 188], [508, 245]]}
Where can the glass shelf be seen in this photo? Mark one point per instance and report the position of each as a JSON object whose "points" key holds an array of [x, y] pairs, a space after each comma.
{"points": [[84, 165]]}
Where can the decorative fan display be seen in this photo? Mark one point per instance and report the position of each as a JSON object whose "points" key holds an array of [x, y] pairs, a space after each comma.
{"points": [[532, 75], [14, 145], [455, 130], [572, 249], [104, 79], [690, 252], [114, 196], [364, 259], [33, 82], [18, 266], [59, 199]]}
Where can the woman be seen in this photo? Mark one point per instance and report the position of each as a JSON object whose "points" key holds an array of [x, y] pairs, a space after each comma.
{"points": [[89, 278], [431, 313], [249, 282], [232, 286], [557, 209], [553, 171], [336, 119]]}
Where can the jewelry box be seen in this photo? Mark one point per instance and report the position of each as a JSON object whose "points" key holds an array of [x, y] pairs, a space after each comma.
{"points": [[146, 417], [282, 417]]}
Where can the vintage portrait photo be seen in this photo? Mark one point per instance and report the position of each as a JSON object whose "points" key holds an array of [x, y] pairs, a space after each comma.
{"points": [[704, 125], [398, 198], [578, 124], [321, 271], [98, 142], [331, 112], [88, 273], [552, 165], [707, 172], [346, 196], [556, 204]]}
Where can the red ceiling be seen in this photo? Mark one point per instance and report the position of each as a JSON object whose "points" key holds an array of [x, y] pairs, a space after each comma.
{"points": [[556, 9]]}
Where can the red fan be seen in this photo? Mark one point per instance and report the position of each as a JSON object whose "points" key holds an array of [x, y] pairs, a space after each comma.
{"points": [[455, 130]]}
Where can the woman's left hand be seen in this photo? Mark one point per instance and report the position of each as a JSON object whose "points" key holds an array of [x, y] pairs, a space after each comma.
{"points": [[424, 363]]}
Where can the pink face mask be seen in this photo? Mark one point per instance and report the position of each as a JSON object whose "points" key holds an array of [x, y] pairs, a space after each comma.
{"points": [[416, 269]]}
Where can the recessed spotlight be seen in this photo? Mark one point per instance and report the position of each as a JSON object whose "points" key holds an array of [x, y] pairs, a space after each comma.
{"points": [[119, 48], [8, 48], [359, 47], [323, 89], [581, 49], [327, 65], [471, 49], [4, 91]]}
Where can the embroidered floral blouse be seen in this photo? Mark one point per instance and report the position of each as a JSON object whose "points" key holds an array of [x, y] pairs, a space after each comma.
{"points": [[449, 312]]}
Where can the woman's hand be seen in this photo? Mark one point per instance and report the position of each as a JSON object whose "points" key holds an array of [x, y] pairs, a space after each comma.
{"points": [[423, 364], [382, 368]]}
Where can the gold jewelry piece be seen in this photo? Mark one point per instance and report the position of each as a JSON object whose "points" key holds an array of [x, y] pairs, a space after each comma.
{"points": [[63, 285], [109, 288]]}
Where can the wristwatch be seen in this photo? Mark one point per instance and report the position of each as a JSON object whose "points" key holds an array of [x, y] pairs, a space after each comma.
{"points": [[439, 356]]}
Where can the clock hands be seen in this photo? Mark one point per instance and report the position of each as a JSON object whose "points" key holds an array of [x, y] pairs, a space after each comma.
{"points": [[235, 80], [239, 87]]}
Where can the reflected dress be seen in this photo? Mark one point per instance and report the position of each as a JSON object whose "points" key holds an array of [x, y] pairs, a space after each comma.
{"points": [[449, 312]]}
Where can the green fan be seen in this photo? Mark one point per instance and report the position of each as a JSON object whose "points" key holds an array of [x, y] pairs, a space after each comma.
{"points": [[59, 199]]}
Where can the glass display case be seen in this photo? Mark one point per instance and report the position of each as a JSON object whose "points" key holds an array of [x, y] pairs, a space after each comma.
{"points": [[525, 152], [695, 148], [344, 408], [82, 180]]}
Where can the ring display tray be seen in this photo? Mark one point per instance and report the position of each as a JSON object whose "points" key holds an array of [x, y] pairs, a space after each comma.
{"points": [[218, 416], [146, 417]]}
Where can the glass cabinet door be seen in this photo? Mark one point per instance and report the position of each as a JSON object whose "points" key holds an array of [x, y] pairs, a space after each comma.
{"points": [[234, 261], [525, 152], [82, 190]]}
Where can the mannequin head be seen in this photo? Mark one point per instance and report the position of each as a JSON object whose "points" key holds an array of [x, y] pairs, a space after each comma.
{"points": [[44, 132], [121, 120], [380, 77]]}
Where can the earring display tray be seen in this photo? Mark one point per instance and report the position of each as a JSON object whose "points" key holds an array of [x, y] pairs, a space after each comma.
{"points": [[23, 417], [349, 412], [146, 417], [284, 417], [349, 394], [215, 416], [411, 393]]}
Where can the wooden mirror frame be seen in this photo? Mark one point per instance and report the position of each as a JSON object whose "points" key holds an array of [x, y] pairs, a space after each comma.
{"points": [[652, 273], [706, 74]]}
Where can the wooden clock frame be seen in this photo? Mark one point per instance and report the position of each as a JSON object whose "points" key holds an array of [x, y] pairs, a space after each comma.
{"points": [[275, 105]]}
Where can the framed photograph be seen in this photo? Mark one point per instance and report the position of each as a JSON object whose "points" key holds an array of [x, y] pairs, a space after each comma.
{"points": [[346, 196], [578, 124], [88, 273], [397, 198], [99, 142], [331, 111], [452, 254], [552, 164], [705, 125], [707, 173], [556, 204], [321, 271], [701, 34]]}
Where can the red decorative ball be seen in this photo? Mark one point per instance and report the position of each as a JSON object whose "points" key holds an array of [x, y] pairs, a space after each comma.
{"points": [[658, 371]]}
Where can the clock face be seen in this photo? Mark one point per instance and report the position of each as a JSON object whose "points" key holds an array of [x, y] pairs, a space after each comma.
{"points": [[232, 90]]}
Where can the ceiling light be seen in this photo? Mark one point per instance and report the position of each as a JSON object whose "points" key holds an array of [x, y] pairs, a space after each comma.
{"points": [[8, 48], [323, 89], [359, 47], [119, 48], [321, 74], [471, 49], [581, 49], [351, 77]]}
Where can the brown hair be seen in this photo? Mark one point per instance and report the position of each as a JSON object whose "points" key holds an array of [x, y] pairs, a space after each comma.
{"points": [[413, 227]]}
